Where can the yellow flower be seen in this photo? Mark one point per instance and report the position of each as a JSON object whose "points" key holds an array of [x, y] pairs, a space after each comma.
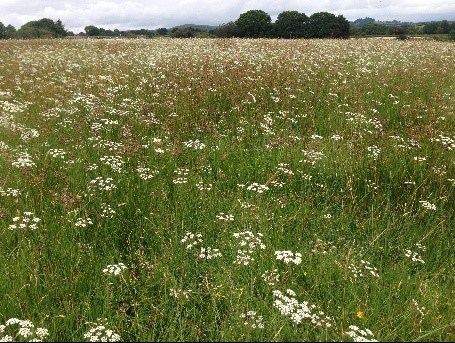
{"points": [[359, 314]]}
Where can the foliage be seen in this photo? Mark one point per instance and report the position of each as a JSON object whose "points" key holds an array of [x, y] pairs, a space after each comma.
{"points": [[452, 35], [328, 25], [2, 31], [227, 30], [254, 24], [43, 28], [183, 32], [291, 24], [162, 31]]}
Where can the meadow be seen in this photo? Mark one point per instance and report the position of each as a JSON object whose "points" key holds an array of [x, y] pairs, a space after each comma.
{"points": [[227, 190]]}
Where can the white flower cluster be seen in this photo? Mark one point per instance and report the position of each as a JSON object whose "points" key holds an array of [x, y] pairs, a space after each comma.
{"points": [[147, 173], [420, 309], [27, 221], [23, 160], [428, 205], [100, 332], [3, 146], [360, 335], [209, 253], [10, 192], [249, 242], [316, 137], [368, 125], [107, 211], [252, 320], [446, 141], [21, 331], [57, 153], [196, 145], [102, 184], [271, 277], [204, 186], [258, 188], [415, 256], [115, 162], [83, 222], [299, 312], [244, 204], [284, 167], [288, 256], [192, 239], [114, 269], [105, 144], [277, 184], [181, 176], [312, 156], [373, 152], [363, 269], [419, 158], [225, 217]]}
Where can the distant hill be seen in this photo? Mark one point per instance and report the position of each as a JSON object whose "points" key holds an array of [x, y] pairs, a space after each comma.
{"points": [[196, 27]]}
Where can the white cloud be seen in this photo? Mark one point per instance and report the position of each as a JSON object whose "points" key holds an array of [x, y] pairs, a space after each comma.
{"points": [[121, 14]]}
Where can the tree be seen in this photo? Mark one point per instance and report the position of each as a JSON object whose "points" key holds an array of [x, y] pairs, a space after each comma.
{"points": [[92, 30], [227, 30], [290, 24], [400, 31], [10, 31], [328, 25], [344, 29], [254, 24], [452, 35], [59, 29], [183, 32], [2, 31], [162, 31], [43, 28]]}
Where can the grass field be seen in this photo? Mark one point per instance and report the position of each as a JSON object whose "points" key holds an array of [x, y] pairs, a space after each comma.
{"points": [[218, 190]]}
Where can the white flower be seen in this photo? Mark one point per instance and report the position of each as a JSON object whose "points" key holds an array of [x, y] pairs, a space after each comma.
{"points": [[99, 332], [288, 256], [114, 269], [360, 335], [256, 187], [428, 205]]}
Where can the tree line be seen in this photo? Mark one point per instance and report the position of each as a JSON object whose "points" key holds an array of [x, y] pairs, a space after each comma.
{"points": [[251, 24], [289, 24], [371, 27]]}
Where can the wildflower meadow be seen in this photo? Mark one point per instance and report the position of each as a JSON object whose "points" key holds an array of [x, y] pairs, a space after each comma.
{"points": [[227, 190]]}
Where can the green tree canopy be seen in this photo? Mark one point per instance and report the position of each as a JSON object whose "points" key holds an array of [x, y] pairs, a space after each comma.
{"points": [[43, 28], [227, 30], [254, 24], [328, 25], [183, 32], [162, 31], [291, 24], [10, 31], [92, 30], [2, 31]]}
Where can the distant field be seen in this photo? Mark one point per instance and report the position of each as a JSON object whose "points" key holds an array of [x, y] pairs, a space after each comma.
{"points": [[227, 190]]}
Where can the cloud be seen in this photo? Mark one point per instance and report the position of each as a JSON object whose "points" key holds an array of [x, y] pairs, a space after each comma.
{"points": [[121, 14]]}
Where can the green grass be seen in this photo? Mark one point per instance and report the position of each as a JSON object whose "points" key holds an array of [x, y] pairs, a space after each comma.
{"points": [[352, 142]]}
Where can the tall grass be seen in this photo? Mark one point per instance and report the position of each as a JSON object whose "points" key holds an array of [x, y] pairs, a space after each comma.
{"points": [[150, 188]]}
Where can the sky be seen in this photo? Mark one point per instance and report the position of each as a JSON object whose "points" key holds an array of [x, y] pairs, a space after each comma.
{"points": [[153, 14]]}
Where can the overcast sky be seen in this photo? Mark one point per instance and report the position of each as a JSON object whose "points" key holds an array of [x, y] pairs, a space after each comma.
{"points": [[152, 14]]}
